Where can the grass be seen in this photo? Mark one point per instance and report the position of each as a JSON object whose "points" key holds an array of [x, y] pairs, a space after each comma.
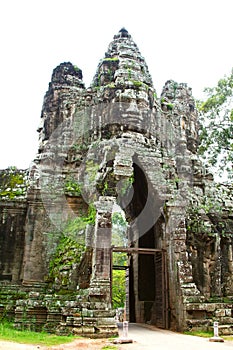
{"points": [[8, 332], [228, 337], [201, 333], [206, 334]]}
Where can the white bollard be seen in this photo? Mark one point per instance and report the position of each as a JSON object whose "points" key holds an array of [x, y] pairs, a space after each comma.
{"points": [[216, 329], [216, 337], [125, 329], [124, 339]]}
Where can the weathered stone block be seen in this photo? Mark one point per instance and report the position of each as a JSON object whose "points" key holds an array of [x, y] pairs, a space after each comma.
{"points": [[77, 321], [77, 330], [88, 330], [104, 313], [89, 321], [220, 313], [105, 321], [229, 312]]}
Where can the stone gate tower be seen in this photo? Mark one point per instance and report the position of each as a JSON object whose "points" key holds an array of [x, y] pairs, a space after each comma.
{"points": [[117, 148]]}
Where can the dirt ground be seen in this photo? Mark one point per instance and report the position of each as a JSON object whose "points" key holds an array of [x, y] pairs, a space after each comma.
{"points": [[91, 344]]}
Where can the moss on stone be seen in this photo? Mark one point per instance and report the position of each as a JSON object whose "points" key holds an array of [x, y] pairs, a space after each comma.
{"points": [[70, 249]]}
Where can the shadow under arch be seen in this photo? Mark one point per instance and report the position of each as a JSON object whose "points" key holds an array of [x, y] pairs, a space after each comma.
{"points": [[147, 299]]}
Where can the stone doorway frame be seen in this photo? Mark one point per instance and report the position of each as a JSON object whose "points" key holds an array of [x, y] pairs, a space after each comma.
{"points": [[161, 319]]}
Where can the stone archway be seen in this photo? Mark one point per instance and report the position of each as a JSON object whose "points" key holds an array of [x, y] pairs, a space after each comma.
{"points": [[150, 303], [147, 283]]}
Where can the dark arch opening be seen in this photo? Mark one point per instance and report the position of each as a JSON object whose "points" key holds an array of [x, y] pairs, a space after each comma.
{"points": [[145, 270]]}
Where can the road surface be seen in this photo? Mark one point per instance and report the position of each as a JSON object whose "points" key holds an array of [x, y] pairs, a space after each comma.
{"points": [[149, 337]]}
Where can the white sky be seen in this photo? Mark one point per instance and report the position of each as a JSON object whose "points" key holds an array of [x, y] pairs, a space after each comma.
{"points": [[184, 40]]}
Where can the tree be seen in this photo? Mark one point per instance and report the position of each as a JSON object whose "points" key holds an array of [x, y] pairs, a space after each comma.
{"points": [[119, 239], [216, 117], [118, 288]]}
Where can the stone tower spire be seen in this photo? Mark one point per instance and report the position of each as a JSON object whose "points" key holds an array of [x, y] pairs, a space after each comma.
{"points": [[122, 64]]}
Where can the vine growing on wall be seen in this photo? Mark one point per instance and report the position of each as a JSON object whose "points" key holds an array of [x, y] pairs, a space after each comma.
{"points": [[206, 218], [70, 248]]}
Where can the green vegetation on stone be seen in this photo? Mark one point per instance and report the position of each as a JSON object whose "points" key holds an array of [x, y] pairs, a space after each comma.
{"points": [[70, 248], [76, 68], [72, 188], [170, 106], [111, 85], [199, 218], [111, 59], [137, 83], [12, 183]]}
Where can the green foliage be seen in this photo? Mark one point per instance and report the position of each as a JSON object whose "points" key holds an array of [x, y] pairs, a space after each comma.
{"points": [[118, 288], [111, 85], [13, 183], [70, 247], [137, 84], [199, 218], [80, 147], [119, 259], [216, 116], [90, 218], [72, 188], [118, 219], [76, 68], [68, 254], [170, 106], [119, 238], [110, 59], [165, 102], [119, 229], [9, 333]]}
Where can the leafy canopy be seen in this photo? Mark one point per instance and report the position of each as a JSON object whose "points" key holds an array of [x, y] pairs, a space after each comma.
{"points": [[216, 117]]}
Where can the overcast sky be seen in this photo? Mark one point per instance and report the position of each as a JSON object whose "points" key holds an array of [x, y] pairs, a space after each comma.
{"points": [[184, 40]]}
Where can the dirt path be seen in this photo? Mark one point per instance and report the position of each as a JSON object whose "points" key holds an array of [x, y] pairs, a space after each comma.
{"points": [[77, 344]]}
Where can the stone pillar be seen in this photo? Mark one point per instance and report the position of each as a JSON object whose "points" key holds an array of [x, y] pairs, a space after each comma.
{"points": [[179, 270], [100, 286], [34, 268]]}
